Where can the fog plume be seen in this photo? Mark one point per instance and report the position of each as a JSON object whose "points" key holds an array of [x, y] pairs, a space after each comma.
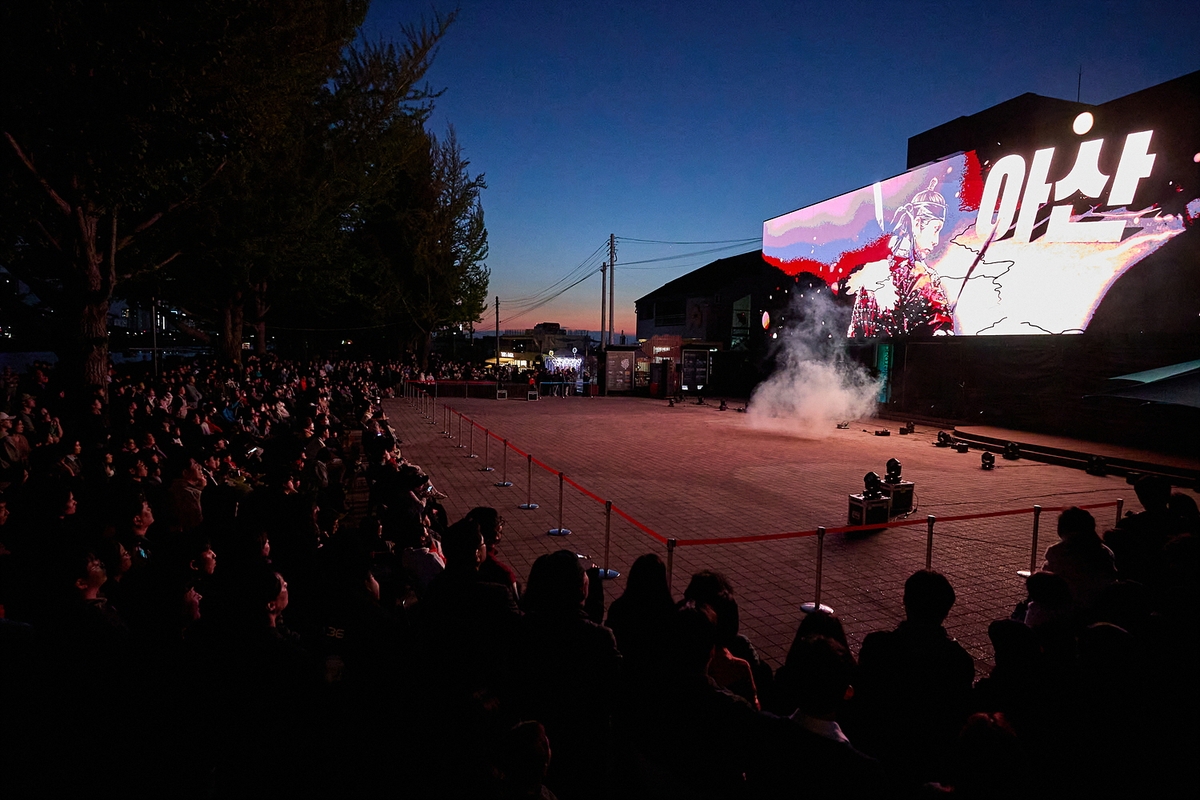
{"points": [[814, 385]]}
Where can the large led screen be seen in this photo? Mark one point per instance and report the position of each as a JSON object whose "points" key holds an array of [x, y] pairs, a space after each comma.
{"points": [[993, 242]]}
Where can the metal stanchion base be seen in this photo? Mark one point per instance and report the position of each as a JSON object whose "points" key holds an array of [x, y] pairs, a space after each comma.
{"points": [[488, 469], [460, 446], [528, 506], [607, 574], [558, 531], [504, 484], [808, 608], [472, 455], [1023, 573]]}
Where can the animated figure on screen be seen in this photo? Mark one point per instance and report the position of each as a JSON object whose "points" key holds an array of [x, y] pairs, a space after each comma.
{"points": [[902, 295]]}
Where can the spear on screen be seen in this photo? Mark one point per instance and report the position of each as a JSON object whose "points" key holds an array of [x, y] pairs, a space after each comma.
{"points": [[978, 259]]}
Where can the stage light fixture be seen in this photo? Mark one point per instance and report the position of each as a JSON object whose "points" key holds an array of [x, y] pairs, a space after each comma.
{"points": [[910, 427], [987, 461], [1012, 451], [724, 406], [944, 439], [1097, 466], [962, 447], [893, 471], [872, 485]]}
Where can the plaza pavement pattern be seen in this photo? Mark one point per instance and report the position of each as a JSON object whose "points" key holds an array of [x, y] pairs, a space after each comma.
{"points": [[693, 472]]}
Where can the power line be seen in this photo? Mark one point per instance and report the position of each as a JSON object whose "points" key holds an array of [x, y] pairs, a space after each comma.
{"points": [[546, 300], [679, 256], [719, 241], [537, 296]]}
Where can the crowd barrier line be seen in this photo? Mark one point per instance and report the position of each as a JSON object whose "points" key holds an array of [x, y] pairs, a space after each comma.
{"points": [[767, 537]]}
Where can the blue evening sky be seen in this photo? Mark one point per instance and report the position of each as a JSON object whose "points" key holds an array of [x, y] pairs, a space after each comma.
{"points": [[696, 121]]}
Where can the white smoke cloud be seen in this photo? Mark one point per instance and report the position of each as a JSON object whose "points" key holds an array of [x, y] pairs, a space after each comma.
{"points": [[815, 385]]}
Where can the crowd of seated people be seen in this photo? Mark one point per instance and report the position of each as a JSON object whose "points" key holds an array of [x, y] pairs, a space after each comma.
{"points": [[185, 612]]}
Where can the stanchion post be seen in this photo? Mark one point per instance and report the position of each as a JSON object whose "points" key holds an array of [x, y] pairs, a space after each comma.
{"points": [[460, 419], [1120, 508], [504, 483], [929, 542], [670, 561], [606, 573], [471, 439], [528, 505], [815, 605], [487, 442], [560, 530], [1033, 549]]}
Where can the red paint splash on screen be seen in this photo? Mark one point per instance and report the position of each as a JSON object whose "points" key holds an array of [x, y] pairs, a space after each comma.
{"points": [[876, 250], [970, 193]]}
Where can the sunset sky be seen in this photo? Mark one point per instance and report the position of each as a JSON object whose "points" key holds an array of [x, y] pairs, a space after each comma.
{"points": [[695, 122]]}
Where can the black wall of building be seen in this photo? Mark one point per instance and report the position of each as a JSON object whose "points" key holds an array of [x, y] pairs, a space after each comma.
{"points": [[1041, 383]]}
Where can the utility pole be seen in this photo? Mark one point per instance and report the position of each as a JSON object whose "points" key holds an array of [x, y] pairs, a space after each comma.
{"points": [[497, 340], [603, 301], [612, 282], [154, 332]]}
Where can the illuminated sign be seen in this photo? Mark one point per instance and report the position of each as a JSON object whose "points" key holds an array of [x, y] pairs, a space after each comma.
{"points": [[1031, 243]]}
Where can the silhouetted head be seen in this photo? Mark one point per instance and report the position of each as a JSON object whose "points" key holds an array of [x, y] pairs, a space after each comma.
{"points": [[557, 583], [820, 671], [462, 544], [928, 597], [1075, 523], [648, 580], [1153, 492]]}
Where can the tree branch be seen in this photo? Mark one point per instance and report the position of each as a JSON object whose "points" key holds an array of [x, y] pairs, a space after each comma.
{"points": [[49, 237], [128, 239], [63, 205]]}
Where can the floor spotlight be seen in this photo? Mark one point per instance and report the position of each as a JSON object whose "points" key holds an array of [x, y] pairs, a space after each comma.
{"points": [[987, 461], [1012, 451], [872, 485], [944, 439], [1097, 466], [893, 471]]}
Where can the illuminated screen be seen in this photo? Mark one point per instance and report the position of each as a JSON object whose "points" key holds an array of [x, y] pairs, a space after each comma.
{"points": [[1028, 242]]}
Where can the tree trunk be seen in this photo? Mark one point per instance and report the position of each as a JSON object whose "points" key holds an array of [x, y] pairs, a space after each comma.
{"points": [[93, 328], [260, 318], [424, 345], [232, 318], [85, 351]]}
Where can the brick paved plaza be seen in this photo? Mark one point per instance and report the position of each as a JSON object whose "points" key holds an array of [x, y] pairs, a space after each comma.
{"points": [[692, 472]]}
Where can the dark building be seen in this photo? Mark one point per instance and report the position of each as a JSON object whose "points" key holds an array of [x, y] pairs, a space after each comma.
{"points": [[729, 309], [1147, 316]]}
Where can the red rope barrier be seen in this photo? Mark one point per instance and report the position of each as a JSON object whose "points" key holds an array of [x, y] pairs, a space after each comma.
{"points": [[654, 535], [546, 467], [772, 537], [592, 495]]}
